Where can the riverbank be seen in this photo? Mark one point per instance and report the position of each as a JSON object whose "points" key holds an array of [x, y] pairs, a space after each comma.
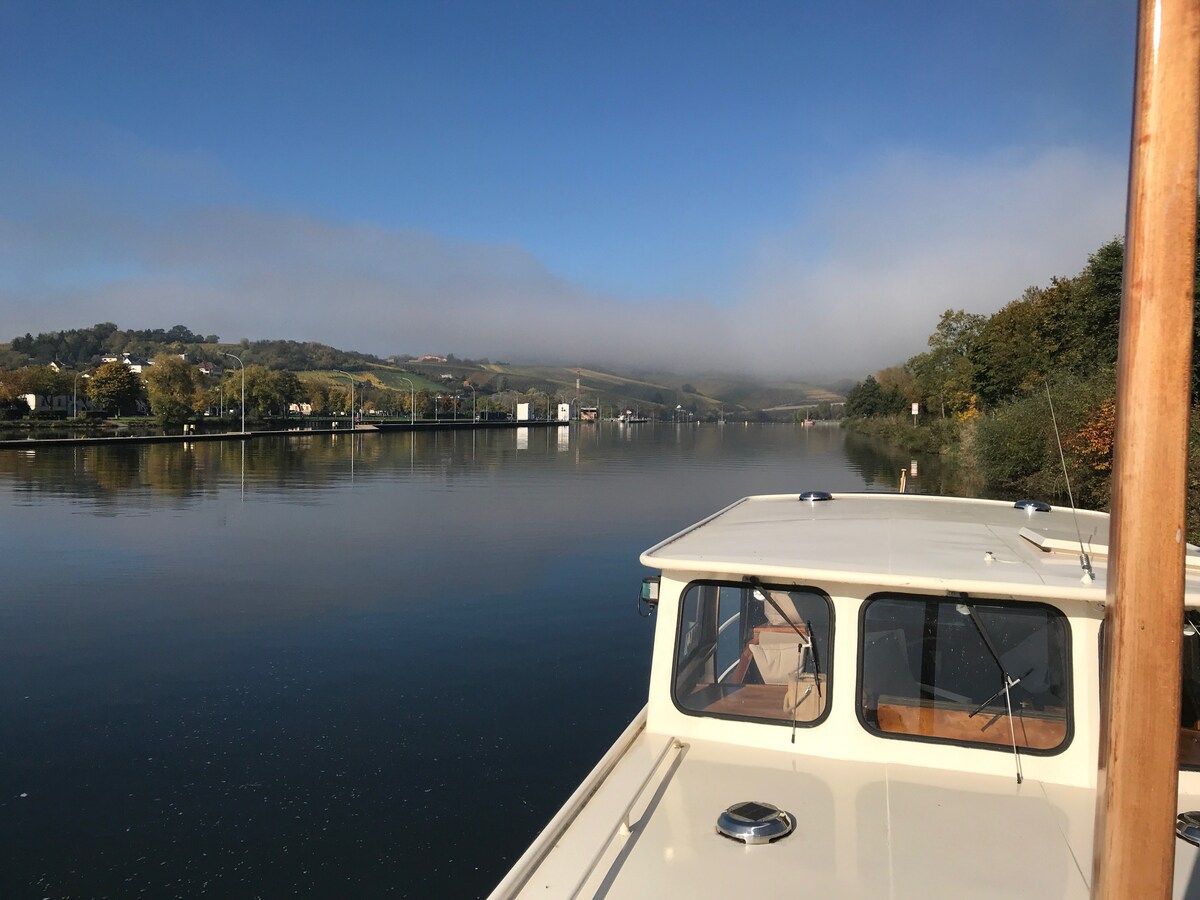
{"points": [[125, 439]]}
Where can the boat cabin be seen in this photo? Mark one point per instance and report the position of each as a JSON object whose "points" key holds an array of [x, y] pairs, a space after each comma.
{"points": [[863, 695]]}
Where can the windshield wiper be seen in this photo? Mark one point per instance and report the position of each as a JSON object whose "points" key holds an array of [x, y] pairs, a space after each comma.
{"points": [[1007, 684], [968, 609]]}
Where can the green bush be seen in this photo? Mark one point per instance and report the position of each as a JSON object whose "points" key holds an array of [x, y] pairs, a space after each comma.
{"points": [[935, 435], [1016, 448], [1013, 445]]}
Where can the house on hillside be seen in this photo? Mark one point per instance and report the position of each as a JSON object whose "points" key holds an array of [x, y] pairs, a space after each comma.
{"points": [[136, 364]]}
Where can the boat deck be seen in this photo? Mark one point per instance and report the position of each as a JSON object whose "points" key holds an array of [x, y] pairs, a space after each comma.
{"points": [[862, 830]]}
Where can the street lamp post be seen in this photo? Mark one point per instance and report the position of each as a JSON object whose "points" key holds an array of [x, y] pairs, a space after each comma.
{"points": [[474, 412], [351, 379], [412, 401], [243, 368], [437, 402], [75, 396]]}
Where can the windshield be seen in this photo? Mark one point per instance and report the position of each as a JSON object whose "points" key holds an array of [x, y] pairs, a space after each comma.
{"points": [[970, 672], [752, 651]]}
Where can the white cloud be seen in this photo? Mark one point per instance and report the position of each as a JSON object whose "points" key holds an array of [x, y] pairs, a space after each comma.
{"points": [[916, 235], [857, 284]]}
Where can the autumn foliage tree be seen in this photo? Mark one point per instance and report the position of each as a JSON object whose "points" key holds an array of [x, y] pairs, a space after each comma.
{"points": [[114, 387]]}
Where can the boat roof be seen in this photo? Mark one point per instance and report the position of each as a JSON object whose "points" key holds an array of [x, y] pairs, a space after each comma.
{"points": [[912, 541]]}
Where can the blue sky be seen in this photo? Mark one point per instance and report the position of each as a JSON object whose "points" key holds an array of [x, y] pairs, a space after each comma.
{"points": [[788, 188]]}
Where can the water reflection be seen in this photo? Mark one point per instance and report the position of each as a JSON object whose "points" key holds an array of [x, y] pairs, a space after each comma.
{"points": [[287, 665], [881, 467], [188, 471]]}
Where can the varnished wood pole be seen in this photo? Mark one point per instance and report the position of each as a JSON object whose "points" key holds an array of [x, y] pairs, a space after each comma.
{"points": [[1139, 740]]}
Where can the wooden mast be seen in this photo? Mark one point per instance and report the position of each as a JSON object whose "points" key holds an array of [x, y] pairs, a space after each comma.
{"points": [[1139, 740]]}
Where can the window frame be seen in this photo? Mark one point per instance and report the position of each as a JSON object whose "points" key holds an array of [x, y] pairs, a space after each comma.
{"points": [[825, 660], [1006, 747]]}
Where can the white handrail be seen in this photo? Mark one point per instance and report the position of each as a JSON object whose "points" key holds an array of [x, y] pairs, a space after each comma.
{"points": [[622, 827]]}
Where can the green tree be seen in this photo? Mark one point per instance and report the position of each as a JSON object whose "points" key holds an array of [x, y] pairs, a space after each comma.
{"points": [[174, 389], [338, 398], [318, 396], [114, 387], [1095, 321], [866, 399], [1018, 348], [271, 392], [945, 374], [289, 388]]}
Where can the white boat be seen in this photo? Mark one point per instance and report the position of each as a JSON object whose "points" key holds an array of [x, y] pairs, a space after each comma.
{"points": [[830, 657], [901, 696]]}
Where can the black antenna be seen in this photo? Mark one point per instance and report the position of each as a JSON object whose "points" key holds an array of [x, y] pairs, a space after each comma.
{"points": [[1084, 561]]}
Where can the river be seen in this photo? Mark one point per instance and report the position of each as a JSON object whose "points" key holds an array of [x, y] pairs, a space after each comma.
{"points": [[332, 665]]}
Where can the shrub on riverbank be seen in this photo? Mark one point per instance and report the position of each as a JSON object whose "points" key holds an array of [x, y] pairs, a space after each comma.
{"points": [[1018, 450], [933, 436]]}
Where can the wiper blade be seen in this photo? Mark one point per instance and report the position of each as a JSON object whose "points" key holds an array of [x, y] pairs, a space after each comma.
{"points": [[766, 596], [968, 609]]}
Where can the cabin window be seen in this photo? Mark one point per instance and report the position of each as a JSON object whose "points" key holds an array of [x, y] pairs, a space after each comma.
{"points": [[751, 651], [935, 669]]}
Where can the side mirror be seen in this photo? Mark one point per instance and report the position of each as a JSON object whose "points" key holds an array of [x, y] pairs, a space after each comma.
{"points": [[648, 597]]}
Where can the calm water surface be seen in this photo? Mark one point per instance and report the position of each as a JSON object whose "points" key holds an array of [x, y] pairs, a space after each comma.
{"points": [[328, 666]]}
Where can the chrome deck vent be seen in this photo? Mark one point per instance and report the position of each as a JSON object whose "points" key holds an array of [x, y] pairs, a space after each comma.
{"points": [[1187, 827], [1032, 506], [752, 822], [816, 495]]}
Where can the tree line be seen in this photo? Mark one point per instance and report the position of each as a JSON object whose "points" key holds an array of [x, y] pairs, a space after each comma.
{"points": [[78, 347], [986, 384], [175, 390]]}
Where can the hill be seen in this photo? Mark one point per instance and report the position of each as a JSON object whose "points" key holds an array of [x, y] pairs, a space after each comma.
{"points": [[388, 382]]}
